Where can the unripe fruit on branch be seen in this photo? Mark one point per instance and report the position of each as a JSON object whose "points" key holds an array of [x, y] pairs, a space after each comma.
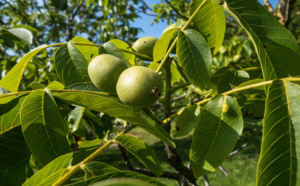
{"points": [[145, 45], [139, 86], [104, 71]]}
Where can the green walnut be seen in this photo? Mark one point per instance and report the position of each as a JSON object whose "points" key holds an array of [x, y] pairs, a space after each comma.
{"points": [[145, 45], [104, 71], [139, 86]]}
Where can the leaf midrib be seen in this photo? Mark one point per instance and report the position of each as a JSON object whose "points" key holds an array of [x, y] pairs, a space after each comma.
{"points": [[254, 34]]}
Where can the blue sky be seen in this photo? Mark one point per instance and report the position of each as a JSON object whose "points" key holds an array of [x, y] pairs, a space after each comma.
{"points": [[156, 29]]}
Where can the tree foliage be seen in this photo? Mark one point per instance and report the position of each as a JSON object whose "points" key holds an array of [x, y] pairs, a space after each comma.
{"points": [[54, 122]]}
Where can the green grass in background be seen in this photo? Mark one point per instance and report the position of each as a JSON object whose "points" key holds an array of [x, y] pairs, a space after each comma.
{"points": [[241, 167]]}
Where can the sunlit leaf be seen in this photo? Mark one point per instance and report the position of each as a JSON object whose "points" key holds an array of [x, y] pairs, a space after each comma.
{"points": [[162, 44], [210, 21], [276, 47], [124, 46], [279, 157], [194, 57], [86, 50], [71, 65], [218, 128], [13, 78], [56, 165]]}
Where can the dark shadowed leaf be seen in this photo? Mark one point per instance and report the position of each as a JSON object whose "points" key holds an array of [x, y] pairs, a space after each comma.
{"points": [[14, 176], [231, 78], [194, 57], [186, 121], [71, 65], [279, 158], [13, 149], [122, 182], [114, 107], [275, 46], [210, 21], [98, 171], [218, 128], [142, 152], [44, 130]]}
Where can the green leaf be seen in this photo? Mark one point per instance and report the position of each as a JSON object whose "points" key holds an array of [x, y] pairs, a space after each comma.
{"points": [[231, 78], [84, 86], [279, 159], [194, 57], [13, 149], [124, 46], [14, 176], [162, 44], [75, 120], [114, 107], [13, 78], [186, 121], [218, 128], [122, 182], [50, 169], [275, 46], [111, 49], [22, 33], [36, 85], [97, 171], [86, 50], [71, 65], [142, 152], [44, 130], [210, 21], [56, 85]]}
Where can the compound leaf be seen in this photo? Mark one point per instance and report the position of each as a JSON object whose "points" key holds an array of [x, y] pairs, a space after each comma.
{"points": [[114, 107]]}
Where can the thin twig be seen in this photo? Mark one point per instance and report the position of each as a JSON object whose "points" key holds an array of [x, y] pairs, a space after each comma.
{"points": [[206, 181], [223, 170], [238, 150], [176, 10]]}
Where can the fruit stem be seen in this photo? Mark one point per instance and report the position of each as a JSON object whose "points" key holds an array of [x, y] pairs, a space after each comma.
{"points": [[77, 167], [163, 61]]}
